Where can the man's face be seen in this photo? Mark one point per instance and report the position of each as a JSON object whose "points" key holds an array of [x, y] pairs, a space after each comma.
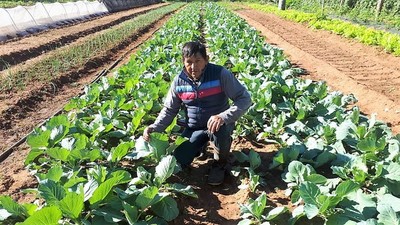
{"points": [[195, 65]]}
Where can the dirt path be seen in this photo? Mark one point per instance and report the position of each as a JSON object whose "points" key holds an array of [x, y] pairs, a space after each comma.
{"points": [[347, 66], [221, 204]]}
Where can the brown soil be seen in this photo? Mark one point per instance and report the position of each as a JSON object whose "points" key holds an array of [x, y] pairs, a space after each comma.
{"points": [[220, 204], [347, 66]]}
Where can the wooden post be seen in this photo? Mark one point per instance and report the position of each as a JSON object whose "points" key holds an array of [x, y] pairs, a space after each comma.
{"points": [[282, 4], [379, 6]]}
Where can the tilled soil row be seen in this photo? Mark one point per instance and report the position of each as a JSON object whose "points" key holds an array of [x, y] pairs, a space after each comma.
{"points": [[15, 52], [347, 66]]}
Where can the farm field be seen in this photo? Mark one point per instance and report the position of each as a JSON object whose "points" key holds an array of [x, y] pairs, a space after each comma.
{"points": [[22, 49], [26, 52], [370, 74]]}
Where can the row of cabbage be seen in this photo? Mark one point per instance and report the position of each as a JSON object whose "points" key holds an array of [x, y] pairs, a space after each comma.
{"points": [[91, 165], [317, 131]]}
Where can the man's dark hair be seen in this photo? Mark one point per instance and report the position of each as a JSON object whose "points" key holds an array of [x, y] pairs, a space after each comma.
{"points": [[193, 47]]}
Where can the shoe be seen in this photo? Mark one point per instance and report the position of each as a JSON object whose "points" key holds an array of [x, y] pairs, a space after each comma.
{"points": [[217, 174], [202, 154]]}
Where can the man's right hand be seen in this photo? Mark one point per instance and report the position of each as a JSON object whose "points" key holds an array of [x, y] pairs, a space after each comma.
{"points": [[147, 132]]}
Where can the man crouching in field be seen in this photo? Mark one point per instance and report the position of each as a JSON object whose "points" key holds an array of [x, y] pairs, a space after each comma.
{"points": [[204, 89]]}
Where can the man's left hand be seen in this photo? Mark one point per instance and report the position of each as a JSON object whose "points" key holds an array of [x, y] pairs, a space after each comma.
{"points": [[214, 123]]}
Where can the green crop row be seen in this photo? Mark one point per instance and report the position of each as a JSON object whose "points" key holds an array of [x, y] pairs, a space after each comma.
{"points": [[336, 162], [388, 41], [361, 11]]}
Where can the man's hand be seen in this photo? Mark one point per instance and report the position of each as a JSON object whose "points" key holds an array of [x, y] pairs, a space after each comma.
{"points": [[147, 132], [214, 123]]}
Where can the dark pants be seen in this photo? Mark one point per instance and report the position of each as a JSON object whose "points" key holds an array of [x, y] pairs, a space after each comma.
{"points": [[198, 139]]}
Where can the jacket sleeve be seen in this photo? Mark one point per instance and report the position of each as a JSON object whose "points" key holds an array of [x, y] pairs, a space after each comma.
{"points": [[238, 94], [171, 108]]}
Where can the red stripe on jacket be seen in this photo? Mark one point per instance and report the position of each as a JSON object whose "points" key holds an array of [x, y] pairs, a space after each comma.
{"points": [[210, 91], [187, 95]]}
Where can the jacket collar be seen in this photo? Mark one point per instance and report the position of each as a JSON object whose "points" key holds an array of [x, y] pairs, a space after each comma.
{"points": [[185, 75]]}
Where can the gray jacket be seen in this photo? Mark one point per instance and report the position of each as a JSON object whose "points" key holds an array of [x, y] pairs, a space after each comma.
{"points": [[205, 98]]}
